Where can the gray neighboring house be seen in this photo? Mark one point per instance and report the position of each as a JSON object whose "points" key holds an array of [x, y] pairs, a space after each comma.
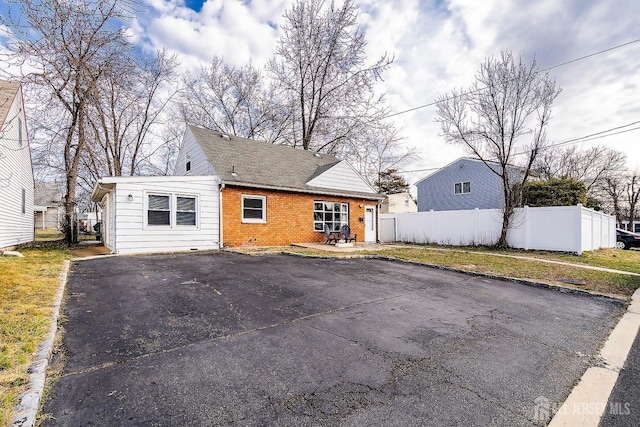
{"points": [[48, 205], [465, 183]]}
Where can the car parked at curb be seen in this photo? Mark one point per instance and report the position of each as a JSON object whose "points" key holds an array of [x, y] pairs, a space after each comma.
{"points": [[626, 239]]}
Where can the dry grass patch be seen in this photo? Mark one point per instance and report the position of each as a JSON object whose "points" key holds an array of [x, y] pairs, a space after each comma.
{"points": [[27, 293], [593, 280], [482, 261], [608, 258], [48, 235]]}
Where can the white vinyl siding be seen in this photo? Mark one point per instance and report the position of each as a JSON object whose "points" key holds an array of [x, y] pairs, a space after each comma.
{"points": [[132, 235], [16, 175], [191, 154], [51, 218], [254, 209], [341, 177]]}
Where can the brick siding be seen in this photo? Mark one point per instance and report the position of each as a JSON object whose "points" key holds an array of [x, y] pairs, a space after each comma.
{"points": [[289, 218]]}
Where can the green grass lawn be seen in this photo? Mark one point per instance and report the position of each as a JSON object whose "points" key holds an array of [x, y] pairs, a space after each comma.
{"points": [[27, 293]]}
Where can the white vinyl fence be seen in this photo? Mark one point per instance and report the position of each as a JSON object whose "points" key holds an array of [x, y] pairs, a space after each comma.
{"points": [[557, 228]]}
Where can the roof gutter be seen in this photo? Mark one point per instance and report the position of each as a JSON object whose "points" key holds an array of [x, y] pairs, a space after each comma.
{"points": [[99, 190], [327, 192]]}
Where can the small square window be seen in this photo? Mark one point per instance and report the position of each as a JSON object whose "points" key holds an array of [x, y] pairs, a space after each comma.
{"points": [[254, 209], [462, 187]]}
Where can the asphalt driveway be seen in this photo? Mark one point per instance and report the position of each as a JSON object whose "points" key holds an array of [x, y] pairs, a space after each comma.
{"points": [[221, 338]]}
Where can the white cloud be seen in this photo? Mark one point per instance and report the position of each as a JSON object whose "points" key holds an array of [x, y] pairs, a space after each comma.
{"points": [[438, 45], [238, 31]]}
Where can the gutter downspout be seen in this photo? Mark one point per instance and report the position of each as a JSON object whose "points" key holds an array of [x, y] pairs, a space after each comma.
{"points": [[220, 245], [378, 221]]}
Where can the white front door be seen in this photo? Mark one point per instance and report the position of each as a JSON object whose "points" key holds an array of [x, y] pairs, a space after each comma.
{"points": [[370, 224]]}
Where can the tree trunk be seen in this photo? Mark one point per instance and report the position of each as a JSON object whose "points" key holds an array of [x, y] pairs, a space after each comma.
{"points": [[70, 229], [502, 242]]}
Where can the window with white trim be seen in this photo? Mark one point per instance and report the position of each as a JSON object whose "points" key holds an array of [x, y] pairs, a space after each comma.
{"points": [[159, 210], [171, 210], [24, 201], [185, 210], [333, 214], [462, 187], [254, 209]]}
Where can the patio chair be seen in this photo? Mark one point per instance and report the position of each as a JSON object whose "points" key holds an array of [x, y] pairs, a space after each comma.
{"points": [[331, 236], [345, 231]]}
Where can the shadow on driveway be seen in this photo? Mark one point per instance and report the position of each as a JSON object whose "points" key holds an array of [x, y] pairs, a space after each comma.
{"points": [[220, 338]]}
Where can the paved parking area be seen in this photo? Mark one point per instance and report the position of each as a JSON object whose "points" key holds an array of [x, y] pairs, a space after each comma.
{"points": [[221, 338]]}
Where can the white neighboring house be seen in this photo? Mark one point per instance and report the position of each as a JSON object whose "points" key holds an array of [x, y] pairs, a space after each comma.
{"points": [[398, 203], [48, 206], [86, 221], [16, 171]]}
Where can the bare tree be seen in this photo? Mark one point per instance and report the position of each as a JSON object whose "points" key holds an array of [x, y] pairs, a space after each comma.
{"points": [[614, 188], [504, 114], [72, 45], [591, 166], [124, 112], [234, 100], [632, 193], [323, 78]]}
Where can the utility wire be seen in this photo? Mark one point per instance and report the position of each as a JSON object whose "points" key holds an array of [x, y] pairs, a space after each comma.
{"points": [[539, 71], [585, 138]]}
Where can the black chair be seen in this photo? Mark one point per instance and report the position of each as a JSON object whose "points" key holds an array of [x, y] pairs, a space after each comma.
{"points": [[345, 231], [331, 237]]}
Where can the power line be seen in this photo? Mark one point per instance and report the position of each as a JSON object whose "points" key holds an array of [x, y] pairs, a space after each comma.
{"points": [[588, 137], [592, 54], [539, 71], [585, 138]]}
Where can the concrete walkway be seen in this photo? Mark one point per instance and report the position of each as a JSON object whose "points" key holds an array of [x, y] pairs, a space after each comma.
{"points": [[89, 249]]}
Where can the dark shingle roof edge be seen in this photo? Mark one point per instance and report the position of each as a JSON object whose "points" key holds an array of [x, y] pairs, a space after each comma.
{"points": [[310, 190], [249, 163]]}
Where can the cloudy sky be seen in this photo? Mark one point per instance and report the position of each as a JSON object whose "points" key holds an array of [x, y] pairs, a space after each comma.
{"points": [[438, 45]]}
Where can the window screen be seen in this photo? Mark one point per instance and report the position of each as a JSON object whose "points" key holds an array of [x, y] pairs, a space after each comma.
{"points": [[158, 212], [185, 210]]}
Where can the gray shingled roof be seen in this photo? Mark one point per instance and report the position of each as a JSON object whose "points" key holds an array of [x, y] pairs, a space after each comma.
{"points": [[263, 165], [8, 91]]}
